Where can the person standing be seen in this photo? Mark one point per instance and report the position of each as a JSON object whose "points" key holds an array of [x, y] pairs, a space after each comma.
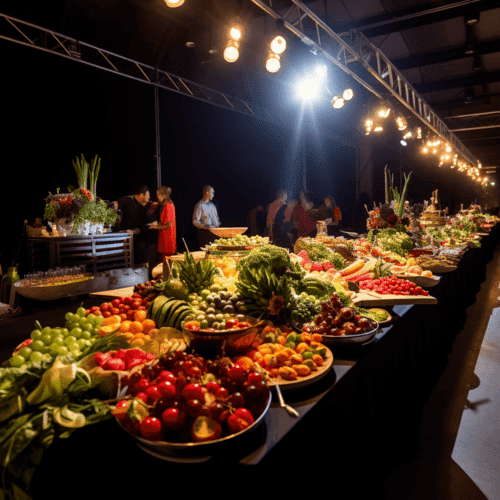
{"points": [[302, 219], [331, 214], [205, 216], [274, 208], [131, 210], [167, 235]]}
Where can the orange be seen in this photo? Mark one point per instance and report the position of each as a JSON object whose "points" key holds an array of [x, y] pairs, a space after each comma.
{"points": [[148, 325], [135, 327], [110, 320], [124, 326], [140, 316]]}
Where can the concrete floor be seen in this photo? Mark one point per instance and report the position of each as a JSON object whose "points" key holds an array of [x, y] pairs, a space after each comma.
{"points": [[459, 455]]}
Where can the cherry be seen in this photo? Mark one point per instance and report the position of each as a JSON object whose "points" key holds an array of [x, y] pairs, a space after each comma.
{"points": [[173, 419], [166, 376], [193, 391], [167, 389], [153, 392], [212, 387], [236, 400], [142, 385], [150, 428], [221, 394], [195, 408]]}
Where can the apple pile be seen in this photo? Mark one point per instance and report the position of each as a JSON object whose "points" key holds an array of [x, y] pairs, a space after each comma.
{"points": [[186, 398]]}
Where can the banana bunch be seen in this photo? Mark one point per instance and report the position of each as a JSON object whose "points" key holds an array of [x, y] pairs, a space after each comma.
{"points": [[256, 286], [197, 275]]}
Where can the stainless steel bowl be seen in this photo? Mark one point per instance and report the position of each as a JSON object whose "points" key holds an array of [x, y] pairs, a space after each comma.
{"points": [[356, 339], [232, 342], [191, 451]]}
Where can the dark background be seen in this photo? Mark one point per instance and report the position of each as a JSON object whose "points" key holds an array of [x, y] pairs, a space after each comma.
{"points": [[54, 109]]}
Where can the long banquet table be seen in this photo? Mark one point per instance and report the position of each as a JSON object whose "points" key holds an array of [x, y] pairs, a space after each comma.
{"points": [[358, 422]]}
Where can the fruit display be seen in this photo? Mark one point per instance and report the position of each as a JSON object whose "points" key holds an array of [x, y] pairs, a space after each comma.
{"points": [[41, 281], [46, 343], [289, 356], [338, 320], [241, 240], [122, 359], [392, 285], [197, 275], [304, 307], [185, 398]]}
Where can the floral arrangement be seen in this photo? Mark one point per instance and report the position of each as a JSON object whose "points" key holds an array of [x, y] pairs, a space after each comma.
{"points": [[67, 205], [97, 212]]}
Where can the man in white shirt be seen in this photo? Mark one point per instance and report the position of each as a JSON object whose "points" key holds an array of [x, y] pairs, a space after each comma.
{"points": [[205, 216]]}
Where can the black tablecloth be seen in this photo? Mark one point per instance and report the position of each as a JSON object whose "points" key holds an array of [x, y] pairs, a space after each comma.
{"points": [[357, 423]]}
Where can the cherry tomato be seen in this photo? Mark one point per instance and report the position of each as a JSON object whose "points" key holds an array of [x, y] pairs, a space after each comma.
{"points": [[193, 391], [150, 428], [173, 419], [239, 420]]}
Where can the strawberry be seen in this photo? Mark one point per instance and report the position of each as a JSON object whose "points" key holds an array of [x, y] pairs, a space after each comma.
{"points": [[114, 364], [101, 357]]}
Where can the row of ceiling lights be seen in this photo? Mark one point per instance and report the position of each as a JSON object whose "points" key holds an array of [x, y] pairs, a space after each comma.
{"points": [[433, 146]]}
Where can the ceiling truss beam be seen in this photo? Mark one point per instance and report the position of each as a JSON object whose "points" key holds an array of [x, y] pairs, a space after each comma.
{"points": [[30, 35], [356, 48]]}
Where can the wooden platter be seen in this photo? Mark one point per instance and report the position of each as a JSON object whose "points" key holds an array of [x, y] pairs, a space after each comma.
{"points": [[115, 294], [310, 379], [368, 298]]}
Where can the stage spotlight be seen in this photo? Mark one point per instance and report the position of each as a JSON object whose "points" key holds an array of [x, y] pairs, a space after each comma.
{"points": [[348, 94], [337, 102], [278, 45], [384, 112], [235, 32], [308, 89], [403, 142], [231, 52], [174, 3], [273, 62]]}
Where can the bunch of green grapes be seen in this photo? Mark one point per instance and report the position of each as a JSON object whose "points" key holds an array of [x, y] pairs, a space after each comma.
{"points": [[304, 308], [79, 332]]}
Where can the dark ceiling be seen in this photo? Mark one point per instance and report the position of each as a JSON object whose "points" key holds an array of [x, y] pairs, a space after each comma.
{"points": [[448, 50]]}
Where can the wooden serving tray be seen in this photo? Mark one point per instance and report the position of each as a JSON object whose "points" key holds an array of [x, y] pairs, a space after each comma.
{"points": [[373, 299]]}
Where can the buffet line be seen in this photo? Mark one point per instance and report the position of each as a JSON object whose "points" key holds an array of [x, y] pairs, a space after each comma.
{"points": [[191, 359]]}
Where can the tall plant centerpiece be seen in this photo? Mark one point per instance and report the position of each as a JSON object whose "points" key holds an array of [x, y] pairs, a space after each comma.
{"points": [[80, 206]]}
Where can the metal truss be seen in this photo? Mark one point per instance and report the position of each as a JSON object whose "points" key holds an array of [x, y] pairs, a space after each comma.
{"points": [[368, 65], [36, 37], [474, 121]]}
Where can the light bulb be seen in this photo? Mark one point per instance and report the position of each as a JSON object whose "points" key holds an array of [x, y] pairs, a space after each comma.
{"points": [[174, 3], [278, 45], [273, 63], [338, 103], [348, 94], [235, 33], [231, 52]]}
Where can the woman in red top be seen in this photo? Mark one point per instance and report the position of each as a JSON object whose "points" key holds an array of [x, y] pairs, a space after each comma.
{"points": [[302, 220], [167, 237]]}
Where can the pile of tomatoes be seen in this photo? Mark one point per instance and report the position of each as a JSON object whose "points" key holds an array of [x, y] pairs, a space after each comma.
{"points": [[186, 398], [392, 285], [125, 307]]}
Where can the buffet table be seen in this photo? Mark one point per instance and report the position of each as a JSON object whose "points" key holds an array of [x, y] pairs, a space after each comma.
{"points": [[358, 422]]}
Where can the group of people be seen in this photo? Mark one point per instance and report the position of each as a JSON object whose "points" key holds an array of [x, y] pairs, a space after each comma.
{"points": [[288, 220], [151, 222]]}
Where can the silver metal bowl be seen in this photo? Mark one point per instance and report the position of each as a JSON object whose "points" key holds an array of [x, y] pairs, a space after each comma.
{"points": [[191, 451], [355, 339], [232, 342]]}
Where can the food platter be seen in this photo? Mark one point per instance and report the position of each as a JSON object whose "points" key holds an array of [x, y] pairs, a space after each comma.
{"points": [[52, 292], [309, 379], [373, 299], [227, 232], [438, 268], [423, 281], [191, 452]]}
